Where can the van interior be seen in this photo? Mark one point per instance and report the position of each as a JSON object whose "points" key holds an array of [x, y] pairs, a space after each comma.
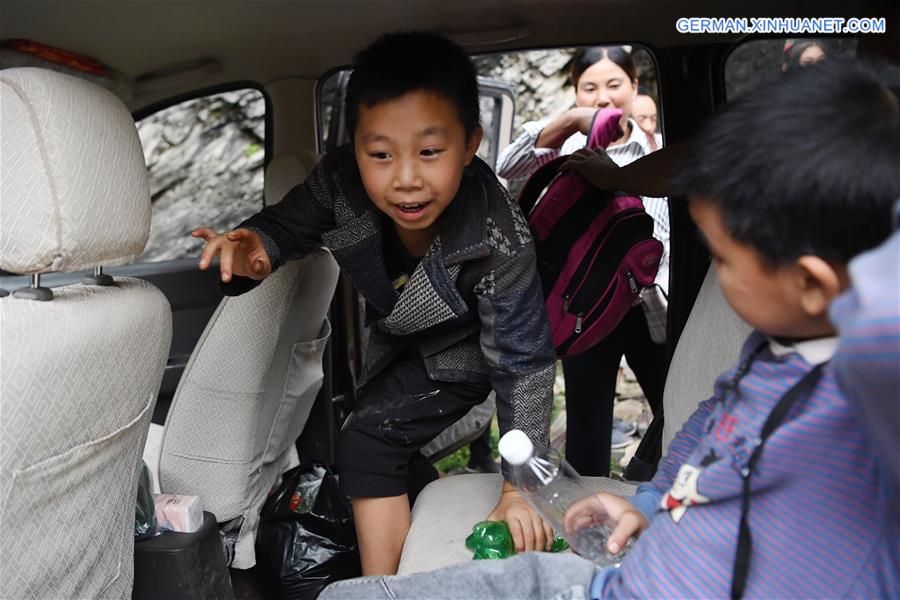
{"points": [[116, 348]]}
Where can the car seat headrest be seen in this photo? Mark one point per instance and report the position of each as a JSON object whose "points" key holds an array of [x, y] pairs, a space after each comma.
{"points": [[74, 191], [286, 171]]}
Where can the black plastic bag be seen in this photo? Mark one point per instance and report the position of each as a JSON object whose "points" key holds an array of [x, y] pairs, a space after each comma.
{"points": [[145, 524], [306, 537]]}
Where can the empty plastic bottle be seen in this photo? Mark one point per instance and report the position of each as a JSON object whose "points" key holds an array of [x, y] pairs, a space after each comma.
{"points": [[554, 488]]}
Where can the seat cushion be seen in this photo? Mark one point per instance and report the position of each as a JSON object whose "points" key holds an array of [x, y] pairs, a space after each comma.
{"points": [[251, 383], [446, 510]]}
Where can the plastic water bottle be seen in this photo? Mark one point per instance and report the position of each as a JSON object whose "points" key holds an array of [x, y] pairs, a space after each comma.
{"points": [[552, 487]]}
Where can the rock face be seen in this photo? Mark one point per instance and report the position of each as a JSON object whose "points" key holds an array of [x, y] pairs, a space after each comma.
{"points": [[539, 78], [758, 61], [205, 160]]}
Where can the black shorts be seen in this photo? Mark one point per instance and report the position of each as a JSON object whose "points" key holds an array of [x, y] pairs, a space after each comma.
{"points": [[398, 413]]}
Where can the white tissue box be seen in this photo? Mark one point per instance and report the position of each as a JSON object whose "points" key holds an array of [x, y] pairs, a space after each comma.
{"points": [[175, 512]]}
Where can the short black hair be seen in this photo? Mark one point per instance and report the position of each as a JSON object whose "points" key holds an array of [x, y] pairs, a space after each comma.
{"points": [[398, 63], [808, 163]]}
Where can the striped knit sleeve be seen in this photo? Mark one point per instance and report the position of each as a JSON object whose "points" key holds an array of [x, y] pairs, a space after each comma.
{"points": [[867, 360], [520, 159]]}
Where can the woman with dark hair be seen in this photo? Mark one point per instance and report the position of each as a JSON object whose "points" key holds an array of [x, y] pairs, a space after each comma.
{"points": [[803, 52], [603, 76]]}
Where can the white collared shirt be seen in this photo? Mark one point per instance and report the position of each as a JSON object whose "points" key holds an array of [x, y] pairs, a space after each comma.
{"points": [[815, 352]]}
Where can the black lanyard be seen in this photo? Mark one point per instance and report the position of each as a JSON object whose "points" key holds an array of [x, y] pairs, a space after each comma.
{"points": [[776, 417]]}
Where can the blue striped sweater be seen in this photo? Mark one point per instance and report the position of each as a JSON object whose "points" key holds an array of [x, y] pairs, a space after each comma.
{"points": [[820, 512], [867, 361]]}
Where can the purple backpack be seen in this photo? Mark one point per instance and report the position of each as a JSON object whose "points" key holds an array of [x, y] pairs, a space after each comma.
{"points": [[595, 249]]}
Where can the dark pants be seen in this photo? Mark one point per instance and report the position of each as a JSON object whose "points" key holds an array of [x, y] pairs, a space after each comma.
{"points": [[591, 389], [398, 412]]}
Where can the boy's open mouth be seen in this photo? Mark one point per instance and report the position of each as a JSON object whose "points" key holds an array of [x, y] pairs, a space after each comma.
{"points": [[411, 208]]}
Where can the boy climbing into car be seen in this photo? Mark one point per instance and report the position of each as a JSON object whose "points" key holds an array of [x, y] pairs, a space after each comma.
{"points": [[773, 488], [446, 265]]}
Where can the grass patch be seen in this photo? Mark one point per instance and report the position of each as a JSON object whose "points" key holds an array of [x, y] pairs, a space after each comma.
{"points": [[457, 460], [460, 458]]}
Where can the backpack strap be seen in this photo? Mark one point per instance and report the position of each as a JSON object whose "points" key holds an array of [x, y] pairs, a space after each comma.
{"points": [[604, 129], [642, 466], [744, 551], [536, 184]]}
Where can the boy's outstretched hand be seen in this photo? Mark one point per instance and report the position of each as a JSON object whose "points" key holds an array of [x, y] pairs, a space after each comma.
{"points": [[241, 252], [602, 508], [528, 529]]}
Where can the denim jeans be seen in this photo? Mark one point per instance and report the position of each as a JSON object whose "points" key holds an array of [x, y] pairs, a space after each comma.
{"points": [[530, 575]]}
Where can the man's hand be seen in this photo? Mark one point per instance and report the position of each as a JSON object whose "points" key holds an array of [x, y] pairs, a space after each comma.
{"points": [[650, 175], [529, 532], [241, 253], [607, 508], [596, 166]]}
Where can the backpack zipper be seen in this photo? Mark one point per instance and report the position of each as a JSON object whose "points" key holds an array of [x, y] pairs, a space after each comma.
{"points": [[565, 307], [601, 305], [627, 223], [631, 282], [578, 321]]}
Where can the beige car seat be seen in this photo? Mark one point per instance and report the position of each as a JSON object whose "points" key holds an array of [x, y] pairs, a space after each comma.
{"points": [[81, 364], [249, 386]]}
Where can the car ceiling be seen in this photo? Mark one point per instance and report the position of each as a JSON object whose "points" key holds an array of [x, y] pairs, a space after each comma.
{"points": [[266, 41]]}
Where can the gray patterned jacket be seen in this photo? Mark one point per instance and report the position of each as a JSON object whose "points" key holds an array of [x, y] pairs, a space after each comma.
{"points": [[473, 306]]}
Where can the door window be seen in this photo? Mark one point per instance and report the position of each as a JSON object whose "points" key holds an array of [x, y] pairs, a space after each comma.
{"points": [[205, 159], [757, 61]]}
